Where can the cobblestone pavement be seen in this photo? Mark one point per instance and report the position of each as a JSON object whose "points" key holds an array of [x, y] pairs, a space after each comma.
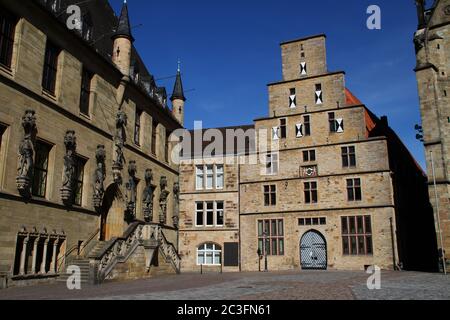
{"points": [[327, 285]]}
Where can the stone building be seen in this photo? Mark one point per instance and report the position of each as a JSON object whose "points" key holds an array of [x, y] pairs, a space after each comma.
{"points": [[85, 174], [433, 76], [336, 188]]}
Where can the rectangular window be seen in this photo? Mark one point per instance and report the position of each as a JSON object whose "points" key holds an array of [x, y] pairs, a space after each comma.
{"points": [[272, 163], [270, 195], [40, 173], [79, 180], [219, 213], [283, 128], [209, 214], [137, 126], [292, 98], [219, 177], [86, 79], [2, 131], [332, 122], [354, 190], [209, 176], [357, 235], [200, 176], [167, 147], [199, 214], [307, 125], [309, 156], [271, 237], [312, 221], [7, 30], [154, 136], [348, 157], [50, 67], [310, 192]]}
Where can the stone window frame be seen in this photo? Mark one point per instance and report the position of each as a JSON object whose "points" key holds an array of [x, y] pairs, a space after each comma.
{"points": [[211, 248], [44, 170], [79, 184], [154, 139], [354, 190], [359, 240], [270, 195], [283, 128], [4, 141], [51, 67], [277, 238], [272, 163], [138, 119], [85, 92], [311, 192], [7, 21], [201, 172], [312, 221], [216, 211], [348, 157], [309, 155], [306, 125]]}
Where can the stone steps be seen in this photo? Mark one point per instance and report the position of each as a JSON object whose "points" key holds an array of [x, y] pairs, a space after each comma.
{"points": [[84, 270]]}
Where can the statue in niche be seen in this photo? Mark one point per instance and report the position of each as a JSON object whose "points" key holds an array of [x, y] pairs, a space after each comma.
{"points": [[148, 196], [176, 206], [163, 201], [70, 142], [131, 188], [26, 154], [100, 175]]}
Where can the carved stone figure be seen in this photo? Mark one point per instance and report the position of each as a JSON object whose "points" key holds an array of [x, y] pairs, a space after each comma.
{"points": [[176, 206], [70, 141], [163, 201], [100, 175], [131, 187], [26, 154], [119, 143], [148, 196]]}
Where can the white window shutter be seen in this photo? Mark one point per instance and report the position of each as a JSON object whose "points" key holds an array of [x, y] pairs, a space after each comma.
{"points": [[303, 70], [293, 101], [319, 97], [299, 130], [339, 125], [275, 133]]}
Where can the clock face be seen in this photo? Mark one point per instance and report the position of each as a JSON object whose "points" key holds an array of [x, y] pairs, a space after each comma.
{"points": [[310, 171]]}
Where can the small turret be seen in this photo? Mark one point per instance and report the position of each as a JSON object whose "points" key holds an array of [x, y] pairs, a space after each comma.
{"points": [[420, 4], [123, 42], [178, 99]]}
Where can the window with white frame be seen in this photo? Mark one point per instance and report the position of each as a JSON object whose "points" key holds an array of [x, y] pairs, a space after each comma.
{"points": [[209, 254], [272, 163], [209, 177], [209, 214]]}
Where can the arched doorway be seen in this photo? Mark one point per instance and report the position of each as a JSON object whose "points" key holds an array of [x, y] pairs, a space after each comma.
{"points": [[113, 210], [313, 251]]}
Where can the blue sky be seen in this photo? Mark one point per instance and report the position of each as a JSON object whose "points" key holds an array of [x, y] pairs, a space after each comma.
{"points": [[230, 52]]}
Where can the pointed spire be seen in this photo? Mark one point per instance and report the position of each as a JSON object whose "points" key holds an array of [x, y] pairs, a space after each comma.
{"points": [[123, 27], [178, 92]]}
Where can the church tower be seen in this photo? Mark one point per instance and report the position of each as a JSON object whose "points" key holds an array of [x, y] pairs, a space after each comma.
{"points": [[123, 42], [178, 99], [432, 43]]}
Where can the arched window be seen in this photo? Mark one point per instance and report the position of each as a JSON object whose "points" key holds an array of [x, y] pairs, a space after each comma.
{"points": [[209, 254]]}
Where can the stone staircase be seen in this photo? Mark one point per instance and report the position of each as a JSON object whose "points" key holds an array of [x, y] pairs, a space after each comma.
{"points": [[142, 252]]}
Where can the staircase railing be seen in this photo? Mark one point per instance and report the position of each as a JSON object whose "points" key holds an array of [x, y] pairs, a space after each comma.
{"points": [[170, 252], [118, 250]]}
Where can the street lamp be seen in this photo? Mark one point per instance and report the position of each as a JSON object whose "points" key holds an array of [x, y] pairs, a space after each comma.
{"points": [[420, 137], [265, 251]]}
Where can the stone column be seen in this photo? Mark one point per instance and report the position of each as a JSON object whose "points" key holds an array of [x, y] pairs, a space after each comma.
{"points": [[35, 247], [23, 256], [44, 257], [53, 265]]}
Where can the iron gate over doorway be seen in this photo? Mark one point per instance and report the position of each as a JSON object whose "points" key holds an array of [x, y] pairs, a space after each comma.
{"points": [[313, 251]]}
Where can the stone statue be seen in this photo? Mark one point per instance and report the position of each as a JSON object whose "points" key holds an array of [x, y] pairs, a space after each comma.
{"points": [[148, 196], [70, 141], [163, 201], [26, 154], [119, 143], [176, 206], [131, 187], [100, 175]]}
